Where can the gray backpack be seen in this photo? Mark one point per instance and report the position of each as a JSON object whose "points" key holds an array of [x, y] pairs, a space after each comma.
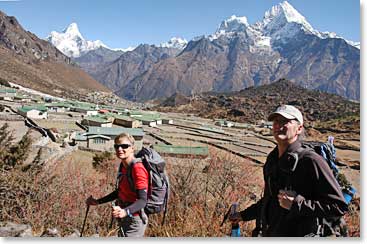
{"points": [[158, 184]]}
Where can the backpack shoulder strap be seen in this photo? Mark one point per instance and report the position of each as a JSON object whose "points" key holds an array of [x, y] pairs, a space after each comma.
{"points": [[300, 153], [130, 173]]}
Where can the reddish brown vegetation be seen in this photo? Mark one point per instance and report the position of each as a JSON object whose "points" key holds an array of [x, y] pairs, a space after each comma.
{"points": [[201, 192]]}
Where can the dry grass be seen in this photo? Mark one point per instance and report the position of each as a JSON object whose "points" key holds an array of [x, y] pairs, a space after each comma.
{"points": [[201, 192]]}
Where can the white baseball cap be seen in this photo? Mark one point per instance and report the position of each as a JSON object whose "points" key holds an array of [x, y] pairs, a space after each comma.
{"points": [[288, 112]]}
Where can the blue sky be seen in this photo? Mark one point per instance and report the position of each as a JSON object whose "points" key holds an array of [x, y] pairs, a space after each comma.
{"points": [[120, 24]]}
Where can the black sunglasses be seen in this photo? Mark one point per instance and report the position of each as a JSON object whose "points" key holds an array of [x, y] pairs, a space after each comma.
{"points": [[123, 146]]}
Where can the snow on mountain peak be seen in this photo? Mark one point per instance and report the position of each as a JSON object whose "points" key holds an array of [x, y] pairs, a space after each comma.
{"points": [[233, 24], [71, 42], [175, 42], [282, 14], [72, 29]]}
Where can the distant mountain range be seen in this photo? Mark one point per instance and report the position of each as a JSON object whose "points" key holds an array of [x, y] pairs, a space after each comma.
{"points": [[34, 63], [236, 56], [71, 43]]}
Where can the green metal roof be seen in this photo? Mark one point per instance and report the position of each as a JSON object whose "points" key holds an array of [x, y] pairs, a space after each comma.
{"points": [[98, 119], [36, 107], [114, 131], [80, 136], [171, 149], [58, 104], [146, 118], [124, 117], [99, 136], [7, 90], [19, 96]]}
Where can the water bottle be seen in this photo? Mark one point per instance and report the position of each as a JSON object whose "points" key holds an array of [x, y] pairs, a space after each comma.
{"points": [[235, 231]]}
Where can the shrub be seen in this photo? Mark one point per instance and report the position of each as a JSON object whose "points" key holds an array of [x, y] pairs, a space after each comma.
{"points": [[100, 159]]}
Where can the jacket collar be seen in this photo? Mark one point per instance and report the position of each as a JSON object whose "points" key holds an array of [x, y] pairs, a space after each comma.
{"points": [[290, 149], [293, 147]]}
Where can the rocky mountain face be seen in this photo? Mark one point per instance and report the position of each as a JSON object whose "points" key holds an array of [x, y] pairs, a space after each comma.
{"points": [[93, 61], [253, 104], [35, 63], [239, 55], [120, 72], [25, 44]]}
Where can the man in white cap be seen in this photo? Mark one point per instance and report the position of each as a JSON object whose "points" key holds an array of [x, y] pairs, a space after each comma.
{"points": [[300, 189]]}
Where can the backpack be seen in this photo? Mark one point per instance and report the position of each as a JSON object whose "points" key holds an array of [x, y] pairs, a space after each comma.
{"points": [[331, 226], [158, 183]]}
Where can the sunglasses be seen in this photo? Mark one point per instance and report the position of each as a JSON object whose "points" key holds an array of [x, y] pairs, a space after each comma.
{"points": [[123, 146]]}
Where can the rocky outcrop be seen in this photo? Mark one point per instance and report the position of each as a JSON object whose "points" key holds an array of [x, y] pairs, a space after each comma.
{"points": [[11, 229]]}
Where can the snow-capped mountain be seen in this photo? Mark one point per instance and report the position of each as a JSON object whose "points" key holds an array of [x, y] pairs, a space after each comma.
{"points": [[175, 42], [231, 25], [283, 44], [71, 42], [280, 24]]}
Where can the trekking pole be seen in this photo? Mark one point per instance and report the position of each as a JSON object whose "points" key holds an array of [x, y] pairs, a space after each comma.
{"points": [[120, 232], [85, 218], [225, 216]]}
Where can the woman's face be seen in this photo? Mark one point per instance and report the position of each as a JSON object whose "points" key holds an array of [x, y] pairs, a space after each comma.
{"points": [[124, 149]]}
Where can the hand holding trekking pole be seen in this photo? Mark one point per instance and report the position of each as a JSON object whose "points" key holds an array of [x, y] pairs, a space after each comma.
{"points": [[235, 217], [118, 212], [91, 201]]}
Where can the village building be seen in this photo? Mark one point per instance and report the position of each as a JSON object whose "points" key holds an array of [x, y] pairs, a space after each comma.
{"points": [[102, 138], [151, 120], [265, 124], [85, 110], [22, 98], [7, 94], [167, 121], [182, 151], [127, 121], [96, 121], [33, 112], [224, 123], [58, 107]]}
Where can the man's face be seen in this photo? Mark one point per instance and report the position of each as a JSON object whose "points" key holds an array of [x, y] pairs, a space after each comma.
{"points": [[123, 148], [286, 130]]}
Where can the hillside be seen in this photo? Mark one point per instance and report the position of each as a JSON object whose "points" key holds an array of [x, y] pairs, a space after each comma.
{"points": [[253, 104], [35, 63]]}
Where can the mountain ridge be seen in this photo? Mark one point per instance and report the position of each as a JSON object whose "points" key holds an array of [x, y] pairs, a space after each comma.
{"points": [[35, 63], [238, 55]]}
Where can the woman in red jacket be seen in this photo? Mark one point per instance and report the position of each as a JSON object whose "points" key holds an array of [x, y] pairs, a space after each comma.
{"points": [[129, 207]]}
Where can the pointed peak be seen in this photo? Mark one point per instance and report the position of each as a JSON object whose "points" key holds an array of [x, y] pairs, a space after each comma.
{"points": [[73, 27], [286, 12]]}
